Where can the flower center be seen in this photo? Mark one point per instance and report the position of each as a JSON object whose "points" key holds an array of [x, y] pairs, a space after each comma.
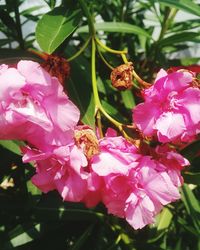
{"points": [[171, 101]]}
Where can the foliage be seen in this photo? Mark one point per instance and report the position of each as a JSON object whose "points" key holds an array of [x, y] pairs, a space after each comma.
{"points": [[31, 220]]}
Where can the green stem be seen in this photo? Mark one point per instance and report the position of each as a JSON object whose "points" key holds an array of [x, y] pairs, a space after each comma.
{"points": [[119, 52], [80, 50], [169, 17], [135, 75], [141, 82], [124, 58], [104, 60], [94, 80], [89, 17], [99, 124], [98, 106]]}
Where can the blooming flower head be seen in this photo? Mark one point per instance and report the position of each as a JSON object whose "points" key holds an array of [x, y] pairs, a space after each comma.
{"points": [[66, 169], [135, 186], [34, 107], [171, 110]]}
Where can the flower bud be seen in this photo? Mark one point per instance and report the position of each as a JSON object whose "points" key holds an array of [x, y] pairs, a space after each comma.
{"points": [[121, 77]]}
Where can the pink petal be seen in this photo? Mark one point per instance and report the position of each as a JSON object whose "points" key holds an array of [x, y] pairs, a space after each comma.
{"points": [[161, 189], [72, 187], [77, 161], [144, 116], [161, 73], [170, 126], [190, 102], [11, 81], [106, 163], [139, 211], [33, 72], [44, 181]]}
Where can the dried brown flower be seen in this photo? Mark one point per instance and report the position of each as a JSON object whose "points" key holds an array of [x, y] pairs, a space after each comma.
{"points": [[57, 66], [121, 77], [86, 139]]}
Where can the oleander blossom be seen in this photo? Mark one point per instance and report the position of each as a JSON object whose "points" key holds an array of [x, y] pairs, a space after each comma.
{"points": [[171, 110], [34, 107], [135, 186], [66, 169]]}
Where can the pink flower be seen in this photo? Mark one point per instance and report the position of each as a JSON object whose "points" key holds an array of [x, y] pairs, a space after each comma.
{"points": [[136, 187], [34, 107], [66, 168], [171, 110], [65, 171]]}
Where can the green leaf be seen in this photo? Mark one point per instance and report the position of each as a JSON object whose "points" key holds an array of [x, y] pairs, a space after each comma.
{"points": [[62, 213], [164, 219], [80, 90], [185, 5], [30, 10], [178, 244], [128, 99], [23, 234], [187, 227], [80, 242], [114, 112], [12, 146], [191, 151], [32, 188], [55, 26], [192, 205], [192, 178], [8, 21], [118, 27], [179, 38]]}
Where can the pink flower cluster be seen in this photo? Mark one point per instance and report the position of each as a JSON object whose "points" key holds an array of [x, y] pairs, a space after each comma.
{"points": [[136, 186], [70, 159], [171, 110]]}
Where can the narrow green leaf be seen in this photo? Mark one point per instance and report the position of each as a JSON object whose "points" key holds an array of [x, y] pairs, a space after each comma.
{"points": [[80, 242], [179, 38], [191, 151], [164, 220], [84, 103], [32, 188], [178, 245], [114, 112], [55, 26], [192, 205], [31, 9], [23, 234], [185, 5], [8, 21], [12, 146], [128, 99], [62, 213], [80, 90], [187, 227], [192, 178], [117, 27]]}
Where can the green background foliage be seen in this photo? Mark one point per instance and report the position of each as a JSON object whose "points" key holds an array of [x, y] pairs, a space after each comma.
{"points": [[30, 220]]}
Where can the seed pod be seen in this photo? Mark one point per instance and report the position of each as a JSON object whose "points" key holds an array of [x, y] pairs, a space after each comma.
{"points": [[121, 77]]}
